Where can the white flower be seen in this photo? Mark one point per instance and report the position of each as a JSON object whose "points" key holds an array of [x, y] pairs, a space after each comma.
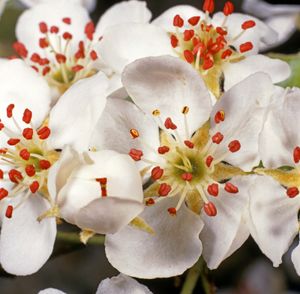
{"points": [[185, 162], [120, 284], [28, 155], [275, 202], [281, 18], [223, 49], [57, 38]]}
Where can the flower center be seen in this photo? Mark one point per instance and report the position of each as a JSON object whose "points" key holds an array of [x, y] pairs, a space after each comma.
{"points": [[186, 167], [207, 47], [60, 63], [25, 160]]}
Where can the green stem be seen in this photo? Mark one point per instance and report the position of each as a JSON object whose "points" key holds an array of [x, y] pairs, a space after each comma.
{"points": [[75, 239], [192, 278]]}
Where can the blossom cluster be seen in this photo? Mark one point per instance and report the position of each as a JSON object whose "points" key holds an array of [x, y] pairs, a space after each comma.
{"points": [[170, 136]]}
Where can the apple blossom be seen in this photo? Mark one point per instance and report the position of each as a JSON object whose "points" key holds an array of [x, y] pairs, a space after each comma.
{"points": [[187, 160]]}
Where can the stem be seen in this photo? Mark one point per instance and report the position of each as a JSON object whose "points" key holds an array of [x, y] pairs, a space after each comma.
{"points": [[74, 238], [192, 278]]}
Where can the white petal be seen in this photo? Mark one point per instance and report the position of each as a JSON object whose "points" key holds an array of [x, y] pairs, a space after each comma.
{"points": [[31, 92], [261, 33], [219, 234], [165, 20], [173, 248], [296, 259], [235, 72], [244, 107], [280, 134], [121, 284], [124, 43], [273, 217], [52, 13], [124, 12], [113, 130], [73, 119], [79, 194], [168, 84], [51, 291], [25, 243]]}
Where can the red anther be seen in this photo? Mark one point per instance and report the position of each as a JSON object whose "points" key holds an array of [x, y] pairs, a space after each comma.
{"points": [[136, 154], [207, 63], [163, 149], [89, 30], [93, 55], [164, 189], [9, 211], [3, 193], [3, 150], [188, 55], [30, 170], [13, 141], [27, 133], [217, 138], [248, 24], [172, 211], [67, 36], [228, 8], [20, 49], [230, 188], [24, 154], [35, 68], [178, 21], [169, 124], [46, 70], [213, 189], [43, 27], [296, 154], [174, 41], [194, 20], [103, 183], [157, 173], [44, 164], [188, 35], [221, 31], [44, 61], [292, 192], [80, 52], [9, 110], [189, 144], [209, 160], [219, 116], [27, 115], [150, 201], [210, 209], [209, 5], [246, 47], [77, 68], [43, 43], [134, 133], [15, 176], [1, 126], [66, 20], [60, 58], [34, 186], [234, 146], [187, 177], [54, 30], [1, 174], [226, 53], [35, 57]]}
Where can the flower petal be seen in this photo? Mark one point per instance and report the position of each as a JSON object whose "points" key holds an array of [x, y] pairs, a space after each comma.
{"points": [[273, 217], [121, 284], [219, 234], [173, 248], [25, 243], [168, 84], [244, 106], [124, 12], [73, 119], [51, 291], [124, 43], [296, 259], [236, 72]]}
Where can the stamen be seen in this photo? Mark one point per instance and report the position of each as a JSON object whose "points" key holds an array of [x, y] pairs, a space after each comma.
{"points": [[296, 154], [194, 20], [234, 146], [89, 30], [24, 154], [228, 8], [13, 141], [219, 116], [174, 41], [44, 164], [27, 116], [230, 188], [3, 193], [209, 6], [210, 209], [34, 186], [43, 27], [209, 160], [136, 154], [134, 133], [187, 177], [9, 211], [164, 189], [217, 138], [189, 56], [66, 20], [246, 47], [15, 176], [172, 211], [178, 21], [150, 201], [189, 144], [9, 110], [213, 189], [27, 133], [30, 170], [44, 133], [163, 149], [248, 24], [292, 192], [169, 124], [157, 173], [103, 184]]}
